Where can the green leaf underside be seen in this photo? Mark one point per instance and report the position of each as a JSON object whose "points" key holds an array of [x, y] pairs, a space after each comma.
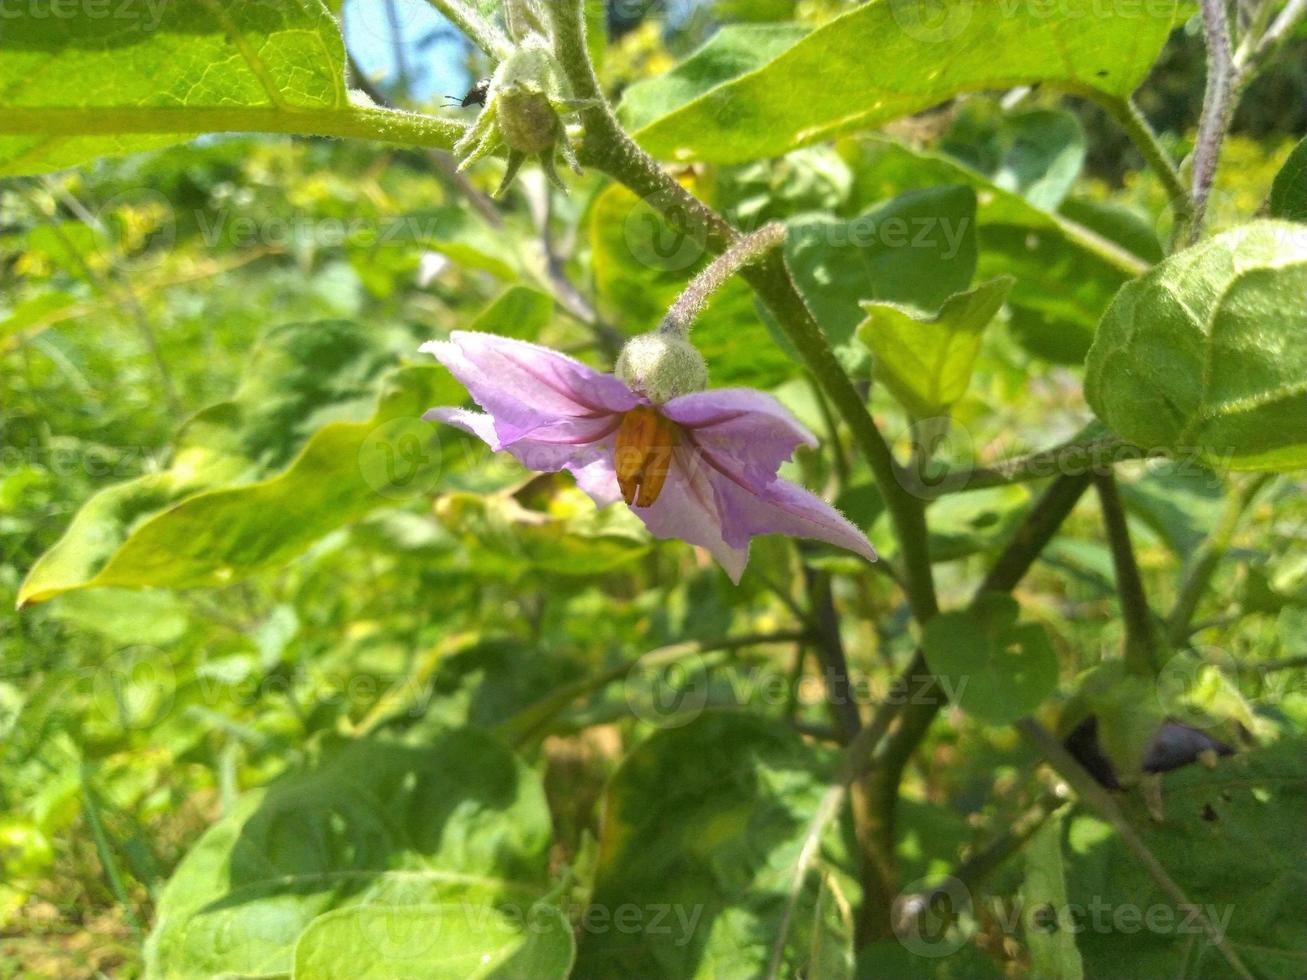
{"points": [[381, 824], [998, 670], [1204, 356], [708, 820], [302, 448], [165, 72], [882, 60], [926, 361], [1044, 160], [916, 250]]}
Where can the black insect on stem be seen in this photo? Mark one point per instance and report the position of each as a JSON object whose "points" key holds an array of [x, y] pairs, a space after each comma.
{"points": [[476, 95]]}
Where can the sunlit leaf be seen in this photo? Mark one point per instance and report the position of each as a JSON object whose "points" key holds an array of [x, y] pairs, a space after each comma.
{"points": [[916, 250], [826, 83], [1230, 839], [731, 52], [926, 359], [165, 71], [1204, 356], [436, 942], [1049, 927], [1289, 192]]}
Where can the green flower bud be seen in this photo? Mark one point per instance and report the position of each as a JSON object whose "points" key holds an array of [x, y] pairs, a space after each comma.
{"points": [[661, 366], [527, 121], [524, 99]]}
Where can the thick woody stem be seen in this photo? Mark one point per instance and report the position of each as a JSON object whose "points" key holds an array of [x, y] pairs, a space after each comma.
{"points": [[1218, 107]]}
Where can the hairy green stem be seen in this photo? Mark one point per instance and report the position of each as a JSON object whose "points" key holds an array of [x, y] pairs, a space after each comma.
{"points": [[479, 31], [1218, 109], [1141, 656], [1072, 458], [682, 314], [360, 122], [1128, 116], [1205, 560]]}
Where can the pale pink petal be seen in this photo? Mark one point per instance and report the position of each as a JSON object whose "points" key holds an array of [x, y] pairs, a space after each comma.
{"points": [[782, 508], [524, 386], [687, 510], [597, 478], [583, 447], [746, 432]]}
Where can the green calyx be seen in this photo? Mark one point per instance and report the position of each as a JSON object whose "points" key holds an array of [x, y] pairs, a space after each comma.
{"points": [[524, 103], [661, 366]]}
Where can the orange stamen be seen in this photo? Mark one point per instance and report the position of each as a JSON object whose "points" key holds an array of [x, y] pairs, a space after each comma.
{"points": [[645, 441]]}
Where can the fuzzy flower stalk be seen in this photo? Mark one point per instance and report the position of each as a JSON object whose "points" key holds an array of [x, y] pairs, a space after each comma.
{"points": [[692, 463]]}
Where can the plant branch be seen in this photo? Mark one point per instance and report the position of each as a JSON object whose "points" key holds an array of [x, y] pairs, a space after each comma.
{"points": [[1205, 560], [1140, 632], [1128, 116], [1009, 841], [1218, 107], [830, 654], [1102, 803], [973, 871], [1073, 458], [1035, 532], [361, 122], [478, 30], [1251, 53], [921, 690]]}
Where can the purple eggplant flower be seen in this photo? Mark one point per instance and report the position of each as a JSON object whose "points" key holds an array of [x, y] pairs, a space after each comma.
{"points": [[700, 467]]}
